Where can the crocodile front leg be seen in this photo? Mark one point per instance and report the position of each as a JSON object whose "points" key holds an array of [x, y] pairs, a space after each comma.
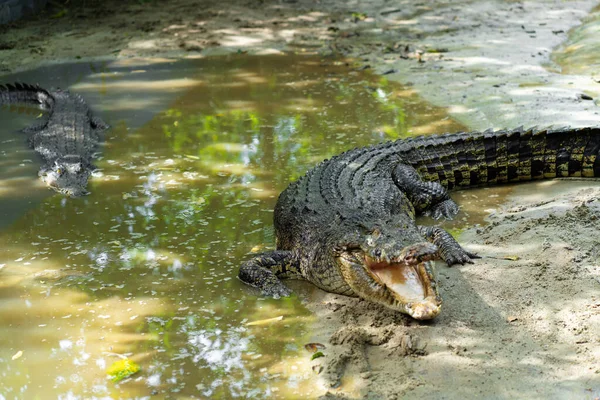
{"points": [[430, 198], [450, 250], [264, 270], [98, 124]]}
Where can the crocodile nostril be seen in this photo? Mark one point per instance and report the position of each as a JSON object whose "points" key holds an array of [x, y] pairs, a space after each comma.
{"points": [[377, 253]]}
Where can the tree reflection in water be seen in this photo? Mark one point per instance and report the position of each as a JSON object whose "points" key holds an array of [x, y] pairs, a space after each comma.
{"points": [[145, 266]]}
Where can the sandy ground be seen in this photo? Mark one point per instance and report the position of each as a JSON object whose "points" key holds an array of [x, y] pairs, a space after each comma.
{"points": [[522, 322], [522, 328]]}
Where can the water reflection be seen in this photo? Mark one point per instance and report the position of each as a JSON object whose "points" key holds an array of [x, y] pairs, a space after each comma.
{"points": [[145, 266]]}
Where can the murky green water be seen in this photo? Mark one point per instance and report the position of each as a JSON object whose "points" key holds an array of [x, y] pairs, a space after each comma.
{"points": [[145, 267]]}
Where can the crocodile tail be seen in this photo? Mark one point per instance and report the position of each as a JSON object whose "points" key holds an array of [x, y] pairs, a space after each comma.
{"points": [[490, 157], [24, 93]]}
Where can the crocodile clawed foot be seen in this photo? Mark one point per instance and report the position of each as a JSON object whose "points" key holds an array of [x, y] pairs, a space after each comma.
{"points": [[449, 249], [459, 256], [472, 255], [447, 209], [260, 271]]}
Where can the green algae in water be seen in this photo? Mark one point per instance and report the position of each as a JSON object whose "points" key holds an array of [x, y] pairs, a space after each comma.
{"points": [[122, 369]]}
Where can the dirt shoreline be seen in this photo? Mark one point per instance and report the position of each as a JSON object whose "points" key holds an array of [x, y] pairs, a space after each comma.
{"points": [[488, 62], [528, 328], [522, 322]]}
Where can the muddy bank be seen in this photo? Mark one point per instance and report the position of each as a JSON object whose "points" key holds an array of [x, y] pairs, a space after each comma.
{"points": [[489, 61], [526, 326], [522, 322]]}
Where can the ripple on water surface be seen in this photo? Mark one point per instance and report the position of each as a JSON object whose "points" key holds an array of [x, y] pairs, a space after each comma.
{"points": [[145, 267]]}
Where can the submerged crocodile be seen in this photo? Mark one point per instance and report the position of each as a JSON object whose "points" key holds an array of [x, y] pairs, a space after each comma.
{"points": [[348, 226], [66, 139]]}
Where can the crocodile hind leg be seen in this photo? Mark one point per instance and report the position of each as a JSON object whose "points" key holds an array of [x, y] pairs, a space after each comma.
{"points": [[34, 128], [450, 251], [264, 271], [430, 198]]}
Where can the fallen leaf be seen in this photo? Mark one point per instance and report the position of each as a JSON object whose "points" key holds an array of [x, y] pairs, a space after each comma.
{"points": [[511, 258], [18, 354], [314, 347], [358, 16], [264, 321], [59, 14], [318, 354], [317, 369]]}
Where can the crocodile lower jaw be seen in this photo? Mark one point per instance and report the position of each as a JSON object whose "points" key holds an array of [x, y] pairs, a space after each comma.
{"points": [[411, 287]]}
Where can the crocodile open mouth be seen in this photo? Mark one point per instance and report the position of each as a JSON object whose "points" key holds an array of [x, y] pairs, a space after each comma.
{"points": [[406, 281]]}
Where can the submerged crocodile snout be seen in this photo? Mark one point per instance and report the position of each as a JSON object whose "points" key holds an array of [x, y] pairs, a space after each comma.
{"points": [[66, 141]]}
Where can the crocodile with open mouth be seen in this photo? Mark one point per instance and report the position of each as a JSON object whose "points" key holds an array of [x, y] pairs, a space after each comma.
{"points": [[348, 225]]}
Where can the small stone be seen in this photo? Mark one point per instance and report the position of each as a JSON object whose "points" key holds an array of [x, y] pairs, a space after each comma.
{"points": [[583, 96], [511, 318], [191, 45]]}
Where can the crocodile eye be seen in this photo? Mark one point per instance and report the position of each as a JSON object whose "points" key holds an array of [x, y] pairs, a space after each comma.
{"points": [[375, 233], [59, 171]]}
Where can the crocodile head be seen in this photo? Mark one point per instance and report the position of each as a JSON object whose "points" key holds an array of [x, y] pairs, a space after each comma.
{"points": [[67, 175], [390, 265]]}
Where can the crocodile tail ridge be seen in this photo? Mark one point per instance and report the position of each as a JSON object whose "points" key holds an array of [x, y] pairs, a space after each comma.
{"points": [[490, 157], [25, 93]]}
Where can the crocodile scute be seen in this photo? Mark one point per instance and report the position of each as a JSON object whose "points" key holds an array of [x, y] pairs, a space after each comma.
{"points": [[348, 225], [66, 139]]}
